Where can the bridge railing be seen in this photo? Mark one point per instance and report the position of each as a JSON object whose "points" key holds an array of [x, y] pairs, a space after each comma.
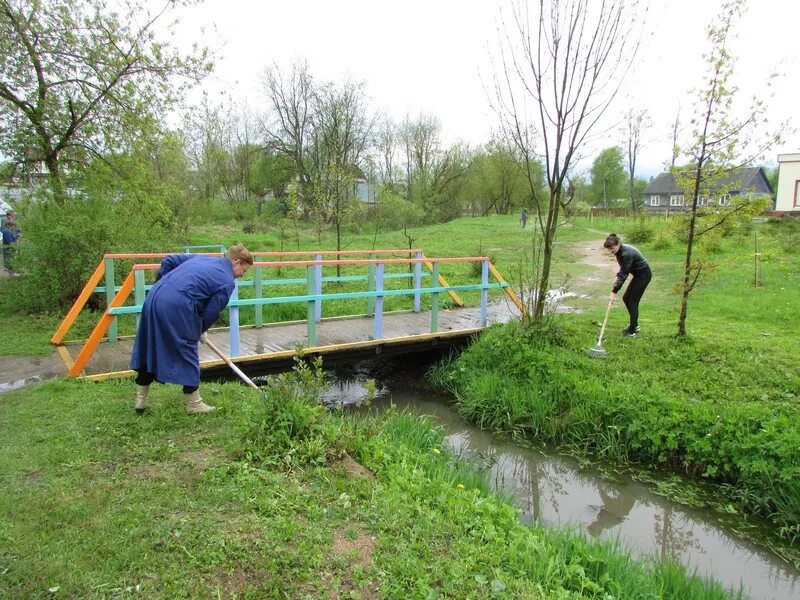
{"points": [[108, 267], [313, 298]]}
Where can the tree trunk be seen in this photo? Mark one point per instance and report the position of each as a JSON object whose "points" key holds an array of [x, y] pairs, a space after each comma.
{"points": [[549, 237], [56, 180], [687, 265]]}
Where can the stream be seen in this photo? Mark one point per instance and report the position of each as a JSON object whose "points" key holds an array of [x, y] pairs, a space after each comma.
{"points": [[556, 491]]}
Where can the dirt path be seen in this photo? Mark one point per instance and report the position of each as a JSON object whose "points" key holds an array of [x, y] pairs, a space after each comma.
{"points": [[598, 281]]}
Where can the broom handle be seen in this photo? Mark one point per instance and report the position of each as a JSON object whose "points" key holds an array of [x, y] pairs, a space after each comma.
{"points": [[233, 367], [608, 311]]}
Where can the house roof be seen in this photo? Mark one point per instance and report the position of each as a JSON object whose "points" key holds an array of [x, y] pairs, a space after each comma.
{"points": [[747, 180]]}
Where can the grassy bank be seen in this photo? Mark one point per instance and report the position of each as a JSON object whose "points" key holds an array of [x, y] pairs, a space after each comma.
{"points": [[259, 500], [721, 405]]}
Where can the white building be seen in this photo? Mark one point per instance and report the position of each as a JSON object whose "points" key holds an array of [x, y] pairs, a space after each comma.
{"points": [[788, 196]]}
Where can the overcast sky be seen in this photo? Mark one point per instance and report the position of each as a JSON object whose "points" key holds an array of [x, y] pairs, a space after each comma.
{"points": [[432, 56]]}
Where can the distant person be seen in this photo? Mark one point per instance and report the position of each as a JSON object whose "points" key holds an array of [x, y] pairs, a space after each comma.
{"points": [[631, 262], [188, 296], [12, 224], [523, 217], [10, 238]]}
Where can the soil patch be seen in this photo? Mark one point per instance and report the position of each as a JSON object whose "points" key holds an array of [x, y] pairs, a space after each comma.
{"points": [[354, 469]]}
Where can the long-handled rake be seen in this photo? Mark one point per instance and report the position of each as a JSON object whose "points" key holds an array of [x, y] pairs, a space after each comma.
{"points": [[233, 367], [598, 351]]}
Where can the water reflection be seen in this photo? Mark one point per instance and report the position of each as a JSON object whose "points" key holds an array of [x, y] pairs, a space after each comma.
{"points": [[553, 490]]}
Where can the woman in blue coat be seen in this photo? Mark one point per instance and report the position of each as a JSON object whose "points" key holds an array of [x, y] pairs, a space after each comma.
{"points": [[189, 294]]}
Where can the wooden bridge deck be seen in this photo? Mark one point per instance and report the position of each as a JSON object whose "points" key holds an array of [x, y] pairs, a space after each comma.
{"points": [[271, 347]]}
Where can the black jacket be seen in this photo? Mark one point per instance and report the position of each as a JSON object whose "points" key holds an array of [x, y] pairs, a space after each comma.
{"points": [[630, 262]]}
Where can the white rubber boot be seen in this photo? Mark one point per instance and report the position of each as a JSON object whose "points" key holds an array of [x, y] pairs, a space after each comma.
{"points": [[141, 398], [195, 404]]}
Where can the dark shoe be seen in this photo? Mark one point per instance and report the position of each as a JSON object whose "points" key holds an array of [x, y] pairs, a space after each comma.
{"points": [[628, 333]]}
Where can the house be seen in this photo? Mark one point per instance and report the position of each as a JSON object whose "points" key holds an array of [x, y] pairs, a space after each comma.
{"points": [[788, 198], [365, 192], [663, 192]]}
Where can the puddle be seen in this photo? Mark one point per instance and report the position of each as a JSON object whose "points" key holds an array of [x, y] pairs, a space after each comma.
{"points": [[555, 491], [16, 384]]}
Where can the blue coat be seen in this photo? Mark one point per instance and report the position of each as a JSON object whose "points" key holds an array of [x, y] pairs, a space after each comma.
{"points": [[187, 298]]}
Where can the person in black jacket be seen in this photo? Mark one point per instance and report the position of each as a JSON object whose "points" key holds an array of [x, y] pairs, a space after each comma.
{"points": [[631, 262]]}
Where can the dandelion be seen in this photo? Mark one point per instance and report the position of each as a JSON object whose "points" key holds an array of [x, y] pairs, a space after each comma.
{"points": [[460, 486], [437, 451]]}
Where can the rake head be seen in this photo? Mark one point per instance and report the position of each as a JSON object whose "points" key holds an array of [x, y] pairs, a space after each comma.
{"points": [[597, 352]]}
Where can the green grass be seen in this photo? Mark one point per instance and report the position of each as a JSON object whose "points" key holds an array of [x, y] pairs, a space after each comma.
{"points": [[97, 502], [721, 405]]}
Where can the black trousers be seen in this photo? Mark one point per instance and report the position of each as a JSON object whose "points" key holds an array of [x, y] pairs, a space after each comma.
{"points": [[634, 293], [145, 378]]}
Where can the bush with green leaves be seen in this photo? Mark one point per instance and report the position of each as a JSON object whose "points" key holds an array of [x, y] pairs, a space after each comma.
{"points": [[289, 426], [639, 232], [662, 241], [62, 245]]}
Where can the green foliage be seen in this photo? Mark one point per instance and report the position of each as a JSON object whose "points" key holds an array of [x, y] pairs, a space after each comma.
{"points": [[63, 244], [662, 241], [640, 231], [711, 241], [288, 427], [609, 177], [176, 516], [715, 424], [395, 212], [787, 231], [63, 103]]}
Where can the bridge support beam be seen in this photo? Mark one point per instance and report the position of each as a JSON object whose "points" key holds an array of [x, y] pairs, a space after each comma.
{"points": [[311, 311], [234, 320], [379, 301], [417, 281], [484, 292]]}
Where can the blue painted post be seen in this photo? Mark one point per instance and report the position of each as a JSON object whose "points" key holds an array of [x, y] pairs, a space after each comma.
{"points": [[371, 287], [417, 281], [259, 291], [379, 301], [311, 321], [318, 290], [111, 291], [484, 292], [138, 292], [234, 321], [435, 299]]}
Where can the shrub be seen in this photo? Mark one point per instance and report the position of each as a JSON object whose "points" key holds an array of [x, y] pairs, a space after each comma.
{"points": [[639, 232], [289, 426], [711, 241], [663, 241], [63, 244]]}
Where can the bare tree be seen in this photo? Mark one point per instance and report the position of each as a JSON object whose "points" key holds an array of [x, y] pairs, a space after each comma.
{"points": [[421, 146], [721, 139], [635, 123], [342, 129], [386, 148], [290, 98], [676, 127], [561, 66]]}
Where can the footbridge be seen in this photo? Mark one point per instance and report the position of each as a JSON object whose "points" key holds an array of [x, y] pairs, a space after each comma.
{"points": [[342, 305]]}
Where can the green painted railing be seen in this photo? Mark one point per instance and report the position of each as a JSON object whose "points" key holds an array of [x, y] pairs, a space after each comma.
{"points": [[311, 298]]}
